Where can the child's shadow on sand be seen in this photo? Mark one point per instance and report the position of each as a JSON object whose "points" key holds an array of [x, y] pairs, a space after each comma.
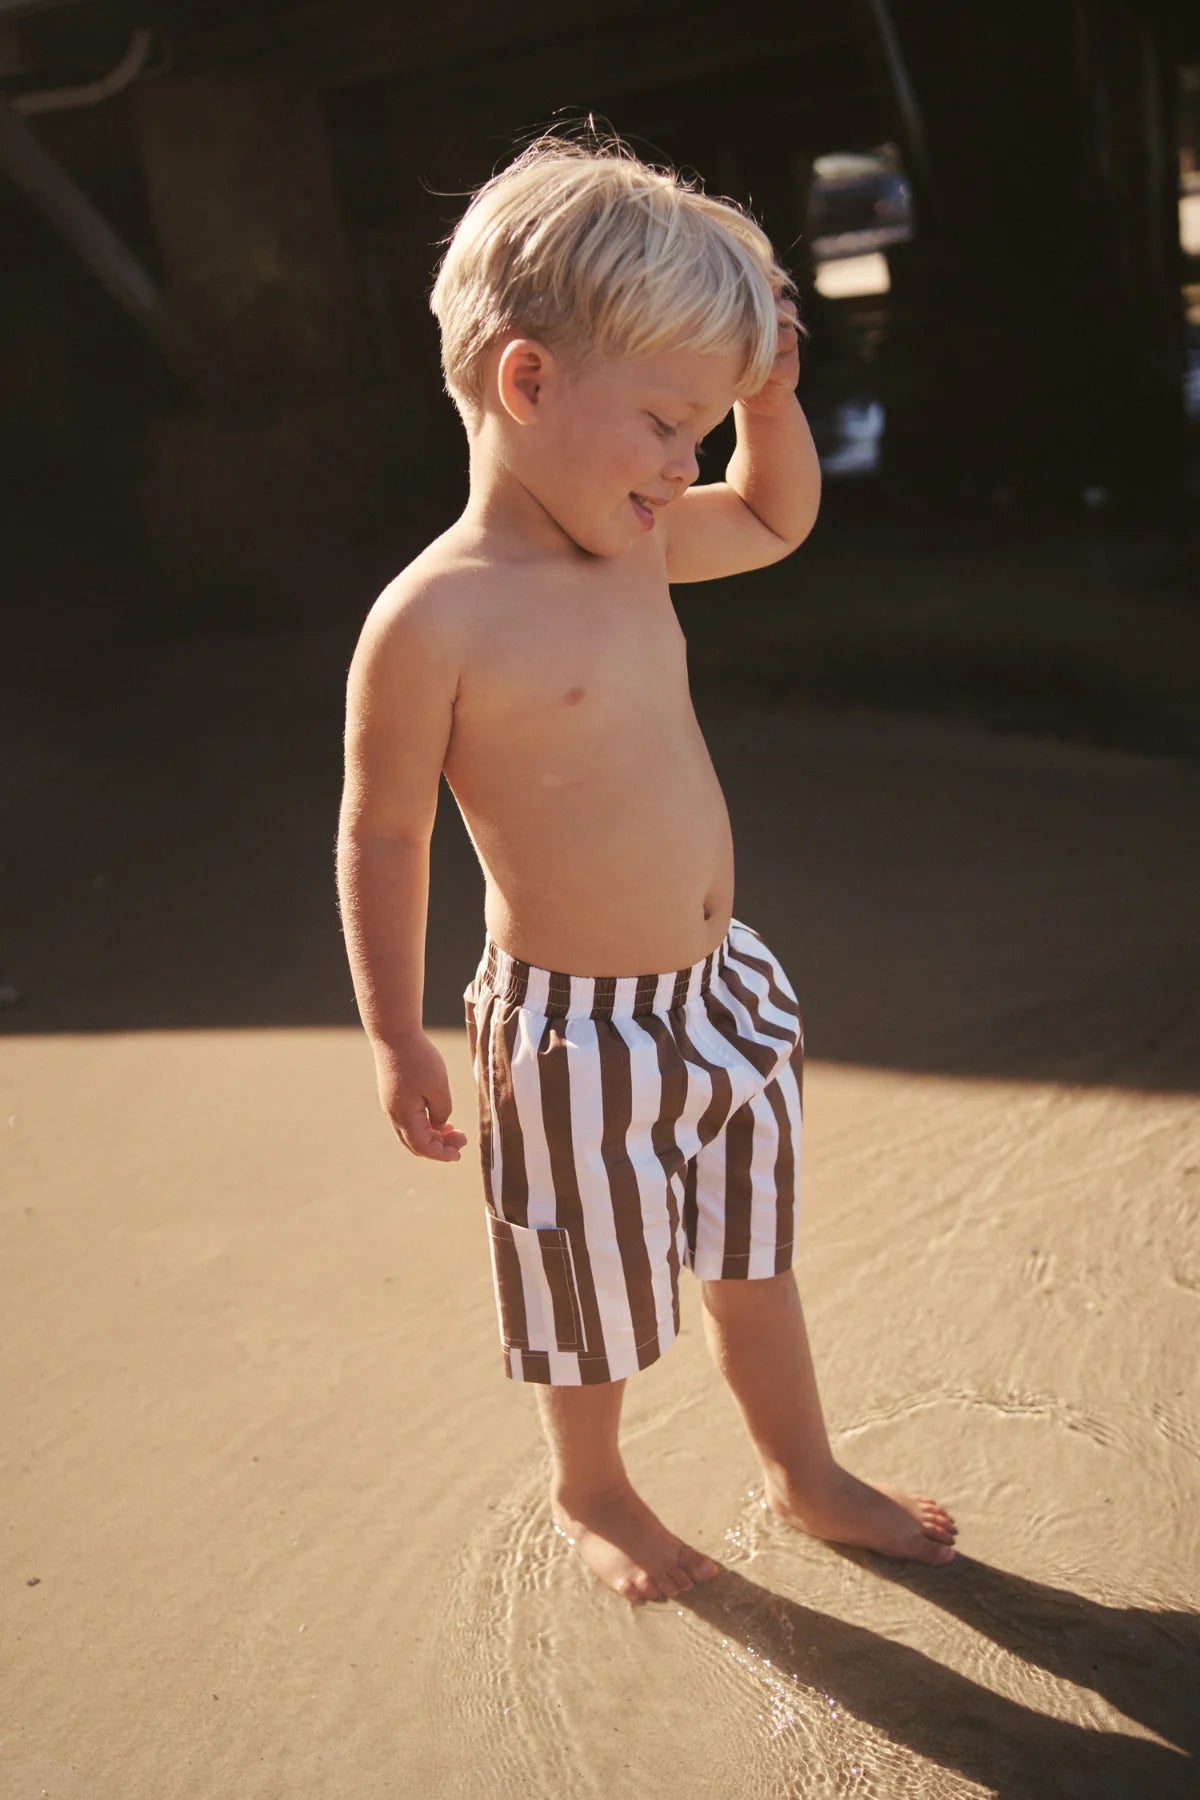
{"points": [[1143, 1663]]}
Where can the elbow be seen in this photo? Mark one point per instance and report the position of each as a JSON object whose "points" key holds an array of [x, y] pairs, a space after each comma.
{"points": [[803, 527]]}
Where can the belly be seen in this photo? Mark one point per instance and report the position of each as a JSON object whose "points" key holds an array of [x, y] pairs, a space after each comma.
{"points": [[613, 860]]}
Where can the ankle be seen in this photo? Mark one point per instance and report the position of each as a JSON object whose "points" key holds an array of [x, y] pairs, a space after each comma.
{"points": [[813, 1480], [574, 1495]]}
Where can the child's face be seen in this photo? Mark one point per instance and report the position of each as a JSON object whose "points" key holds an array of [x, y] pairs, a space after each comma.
{"points": [[619, 441]]}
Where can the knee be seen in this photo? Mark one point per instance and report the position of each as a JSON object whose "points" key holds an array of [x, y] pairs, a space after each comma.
{"points": [[730, 1299]]}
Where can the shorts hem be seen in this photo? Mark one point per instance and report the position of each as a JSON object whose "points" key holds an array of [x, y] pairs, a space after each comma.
{"points": [[737, 1268], [593, 1371]]}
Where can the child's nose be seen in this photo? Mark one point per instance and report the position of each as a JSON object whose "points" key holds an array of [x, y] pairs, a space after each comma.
{"points": [[683, 466]]}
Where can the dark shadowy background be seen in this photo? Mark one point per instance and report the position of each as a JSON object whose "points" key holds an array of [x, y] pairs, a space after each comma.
{"points": [[222, 430]]}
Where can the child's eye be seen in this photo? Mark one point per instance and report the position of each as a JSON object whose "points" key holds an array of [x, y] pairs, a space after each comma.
{"points": [[669, 431]]}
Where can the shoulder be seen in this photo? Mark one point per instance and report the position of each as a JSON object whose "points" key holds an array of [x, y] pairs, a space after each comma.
{"points": [[427, 610]]}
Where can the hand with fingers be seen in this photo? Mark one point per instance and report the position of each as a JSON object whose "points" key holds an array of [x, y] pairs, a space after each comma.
{"points": [[780, 385], [414, 1091]]}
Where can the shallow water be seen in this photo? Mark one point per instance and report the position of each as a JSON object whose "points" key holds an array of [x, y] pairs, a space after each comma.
{"points": [[1052, 1658], [275, 1524]]}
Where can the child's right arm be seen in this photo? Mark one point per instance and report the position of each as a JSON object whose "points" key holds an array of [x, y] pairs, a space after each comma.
{"points": [[399, 713]]}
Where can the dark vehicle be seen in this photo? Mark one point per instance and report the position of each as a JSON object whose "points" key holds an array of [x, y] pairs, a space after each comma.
{"points": [[857, 194]]}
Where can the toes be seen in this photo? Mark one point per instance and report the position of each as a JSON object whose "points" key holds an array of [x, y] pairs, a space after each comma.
{"points": [[637, 1589], [936, 1521], [698, 1566]]}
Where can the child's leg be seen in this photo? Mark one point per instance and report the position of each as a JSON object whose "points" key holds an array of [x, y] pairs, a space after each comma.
{"points": [[595, 1506], [755, 1330]]}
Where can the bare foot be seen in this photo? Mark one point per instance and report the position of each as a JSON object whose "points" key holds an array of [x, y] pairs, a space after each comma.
{"points": [[849, 1511], [632, 1551]]}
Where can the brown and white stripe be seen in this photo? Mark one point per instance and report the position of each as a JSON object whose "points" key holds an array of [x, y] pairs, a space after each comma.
{"points": [[630, 1126]]}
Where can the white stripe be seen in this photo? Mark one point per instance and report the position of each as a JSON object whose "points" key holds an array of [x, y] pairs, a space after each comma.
{"points": [[759, 986], [746, 1082], [710, 1161], [626, 993], [698, 1098], [600, 1237], [583, 995], [663, 993], [745, 1077], [539, 1313], [537, 990], [762, 1188], [564, 1369], [710, 1210], [527, 1093], [648, 1171], [789, 1087]]}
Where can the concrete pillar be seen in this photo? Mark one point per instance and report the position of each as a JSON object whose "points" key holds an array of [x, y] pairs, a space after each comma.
{"points": [[246, 223], [1035, 346], [277, 498]]}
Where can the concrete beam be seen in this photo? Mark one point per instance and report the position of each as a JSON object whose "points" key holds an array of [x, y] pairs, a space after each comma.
{"points": [[60, 199]]}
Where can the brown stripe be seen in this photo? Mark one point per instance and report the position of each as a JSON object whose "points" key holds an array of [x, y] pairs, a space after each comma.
{"points": [[785, 1180], [616, 1088], [691, 1212], [481, 1029], [643, 997], [535, 1366], [554, 1079], [604, 993], [514, 1183], [753, 1005], [593, 1369], [510, 1289], [717, 1111], [739, 1152], [709, 1124], [760, 1056], [556, 1262], [664, 1134], [775, 993], [679, 991]]}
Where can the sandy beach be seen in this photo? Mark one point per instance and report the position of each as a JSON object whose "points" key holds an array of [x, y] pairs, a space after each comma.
{"points": [[274, 1522]]}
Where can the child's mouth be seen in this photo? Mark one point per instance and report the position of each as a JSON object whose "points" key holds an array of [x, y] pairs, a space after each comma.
{"points": [[644, 511]]}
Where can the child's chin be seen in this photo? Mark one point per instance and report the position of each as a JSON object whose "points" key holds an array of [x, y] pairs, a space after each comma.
{"points": [[595, 541]]}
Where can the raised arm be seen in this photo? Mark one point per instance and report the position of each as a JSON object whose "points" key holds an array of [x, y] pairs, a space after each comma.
{"points": [[767, 504], [399, 714]]}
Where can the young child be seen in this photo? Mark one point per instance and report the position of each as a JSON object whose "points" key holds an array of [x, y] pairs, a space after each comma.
{"points": [[637, 1049]]}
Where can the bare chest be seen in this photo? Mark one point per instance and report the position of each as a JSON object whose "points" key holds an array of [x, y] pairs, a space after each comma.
{"points": [[576, 693]]}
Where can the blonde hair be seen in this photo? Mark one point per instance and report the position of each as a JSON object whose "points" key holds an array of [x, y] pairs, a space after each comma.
{"points": [[597, 254]]}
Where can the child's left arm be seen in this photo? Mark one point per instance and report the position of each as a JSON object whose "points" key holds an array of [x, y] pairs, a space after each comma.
{"points": [[768, 501]]}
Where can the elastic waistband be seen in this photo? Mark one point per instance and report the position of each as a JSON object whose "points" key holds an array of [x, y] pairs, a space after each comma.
{"points": [[560, 996]]}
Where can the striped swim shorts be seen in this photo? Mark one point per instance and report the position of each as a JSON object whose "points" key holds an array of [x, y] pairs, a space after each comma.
{"points": [[627, 1126]]}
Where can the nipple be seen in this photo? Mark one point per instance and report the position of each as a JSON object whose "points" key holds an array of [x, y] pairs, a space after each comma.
{"points": [[574, 695]]}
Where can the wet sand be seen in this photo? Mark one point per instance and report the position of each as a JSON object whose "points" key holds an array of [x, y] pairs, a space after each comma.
{"points": [[274, 1521]]}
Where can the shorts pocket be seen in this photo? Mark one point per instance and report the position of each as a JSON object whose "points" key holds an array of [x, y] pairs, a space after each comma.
{"points": [[536, 1294]]}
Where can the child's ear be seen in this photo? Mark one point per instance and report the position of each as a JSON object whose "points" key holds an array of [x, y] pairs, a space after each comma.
{"points": [[520, 377]]}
